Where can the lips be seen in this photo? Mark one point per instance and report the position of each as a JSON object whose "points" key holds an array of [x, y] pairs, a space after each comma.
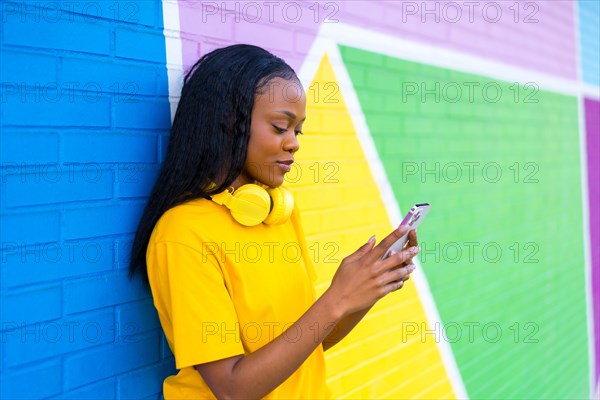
{"points": [[285, 165]]}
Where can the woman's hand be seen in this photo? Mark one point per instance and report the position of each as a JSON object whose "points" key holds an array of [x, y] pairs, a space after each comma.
{"points": [[363, 277]]}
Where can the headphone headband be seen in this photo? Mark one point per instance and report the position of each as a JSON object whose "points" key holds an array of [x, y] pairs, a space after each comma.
{"points": [[252, 204]]}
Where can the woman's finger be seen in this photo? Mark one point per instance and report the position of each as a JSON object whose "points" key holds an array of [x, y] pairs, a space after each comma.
{"points": [[402, 258], [398, 274], [381, 248], [362, 250], [412, 239], [397, 278], [393, 286]]}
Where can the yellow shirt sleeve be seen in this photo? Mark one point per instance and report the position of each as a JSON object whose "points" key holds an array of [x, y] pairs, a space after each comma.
{"points": [[196, 303]]}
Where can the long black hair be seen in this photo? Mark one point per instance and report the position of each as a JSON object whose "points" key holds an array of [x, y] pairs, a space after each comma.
{"points": [[210, 133]]}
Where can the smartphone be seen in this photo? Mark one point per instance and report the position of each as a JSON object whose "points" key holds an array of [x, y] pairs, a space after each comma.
{"points": [[413, 219]]}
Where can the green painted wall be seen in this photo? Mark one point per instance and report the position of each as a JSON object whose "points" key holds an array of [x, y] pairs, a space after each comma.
{"points": [[502, 248]]}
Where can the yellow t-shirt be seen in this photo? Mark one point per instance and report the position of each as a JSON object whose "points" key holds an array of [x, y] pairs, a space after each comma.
{"points": [[222, 289]]}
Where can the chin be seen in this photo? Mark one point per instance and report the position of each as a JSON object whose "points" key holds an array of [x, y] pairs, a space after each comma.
{"points": [[273, 183]]}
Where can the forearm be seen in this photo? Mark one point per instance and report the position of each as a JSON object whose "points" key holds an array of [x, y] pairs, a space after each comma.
{"points": [[257, 374], [343, 328]]}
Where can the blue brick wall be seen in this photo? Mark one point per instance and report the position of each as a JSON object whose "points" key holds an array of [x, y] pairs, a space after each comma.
{"points": [[84, 114], [589, 34]]}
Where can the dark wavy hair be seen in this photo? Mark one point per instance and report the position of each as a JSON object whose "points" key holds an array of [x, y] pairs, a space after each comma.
{"points": [[210, 133]]}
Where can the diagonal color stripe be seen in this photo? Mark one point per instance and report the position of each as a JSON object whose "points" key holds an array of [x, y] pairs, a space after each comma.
{"points": [[345, 211]]}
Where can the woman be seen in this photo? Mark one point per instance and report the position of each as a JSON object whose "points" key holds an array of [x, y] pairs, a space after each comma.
{"points": [[221, 244]]}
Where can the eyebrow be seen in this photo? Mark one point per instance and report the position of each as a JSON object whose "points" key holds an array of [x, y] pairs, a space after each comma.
{"points": [[289, 114]]}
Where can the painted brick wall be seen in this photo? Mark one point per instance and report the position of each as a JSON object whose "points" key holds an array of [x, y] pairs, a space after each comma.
{"points": [[84, 107], [540, 37], [85, 101], [485, 250]]}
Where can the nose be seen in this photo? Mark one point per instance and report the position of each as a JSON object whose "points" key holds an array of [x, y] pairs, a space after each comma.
{"points": [[291, 143]]}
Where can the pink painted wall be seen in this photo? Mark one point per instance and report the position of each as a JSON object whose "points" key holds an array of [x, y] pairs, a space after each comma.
{"points": [[204, 27], [534, 35]]}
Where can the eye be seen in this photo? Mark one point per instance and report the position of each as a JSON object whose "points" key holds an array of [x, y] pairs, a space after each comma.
{"points": [[279, 130], [298, 133]]}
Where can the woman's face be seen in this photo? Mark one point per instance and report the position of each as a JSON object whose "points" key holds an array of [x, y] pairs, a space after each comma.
{"points": [[277, 119]]}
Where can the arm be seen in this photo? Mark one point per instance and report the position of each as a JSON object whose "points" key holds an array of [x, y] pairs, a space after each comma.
{"points": [[361, 280], [258, 373], [343, 328]]}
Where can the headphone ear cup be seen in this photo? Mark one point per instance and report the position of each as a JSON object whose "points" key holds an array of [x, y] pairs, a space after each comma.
{"points": [[283, 205], [251, 206]]}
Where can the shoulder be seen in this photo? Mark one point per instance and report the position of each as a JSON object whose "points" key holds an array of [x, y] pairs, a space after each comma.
{"points": [[190, 221]]}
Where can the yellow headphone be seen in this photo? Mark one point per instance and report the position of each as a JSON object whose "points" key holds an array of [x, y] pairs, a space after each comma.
{"points": [[252, 204]]}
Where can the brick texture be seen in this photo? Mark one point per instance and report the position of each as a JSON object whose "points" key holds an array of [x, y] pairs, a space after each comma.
{"points": [[84, 108], [85, 117]]}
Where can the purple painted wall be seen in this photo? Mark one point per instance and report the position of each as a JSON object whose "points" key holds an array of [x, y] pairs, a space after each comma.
{"points": [[284, 28], [592, 126], [535, 35]]}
